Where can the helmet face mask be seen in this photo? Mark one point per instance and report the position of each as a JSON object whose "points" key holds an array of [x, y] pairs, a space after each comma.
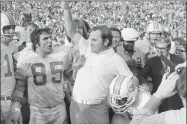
{"points": [[120, 89], [155, 31], [7, 27], [118, 104]]}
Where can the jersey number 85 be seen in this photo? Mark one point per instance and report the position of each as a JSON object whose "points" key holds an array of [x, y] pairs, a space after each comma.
{"points": [[40, 78]]}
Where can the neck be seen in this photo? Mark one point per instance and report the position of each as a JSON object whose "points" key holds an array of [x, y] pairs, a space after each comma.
{"points": [[105, 48], [115, 49], [42, 54]]}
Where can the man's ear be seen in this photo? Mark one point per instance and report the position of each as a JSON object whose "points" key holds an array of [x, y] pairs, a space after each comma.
{"points": [[106, 42]]}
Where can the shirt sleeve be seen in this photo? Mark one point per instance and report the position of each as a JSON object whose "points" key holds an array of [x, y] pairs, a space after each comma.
{"points": [[122, 67], [21, 68], [146, 116], [83, 45]]}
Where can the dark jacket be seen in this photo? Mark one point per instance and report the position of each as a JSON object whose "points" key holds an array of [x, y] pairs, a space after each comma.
{"points": [[155, 69]]}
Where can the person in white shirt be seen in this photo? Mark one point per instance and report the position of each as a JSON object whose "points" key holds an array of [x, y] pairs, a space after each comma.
{"points": [[171, 84], [92, 81]]}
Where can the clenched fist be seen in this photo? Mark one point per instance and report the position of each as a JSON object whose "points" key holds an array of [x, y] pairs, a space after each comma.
{"points": [[78, 62], [64, 4]]}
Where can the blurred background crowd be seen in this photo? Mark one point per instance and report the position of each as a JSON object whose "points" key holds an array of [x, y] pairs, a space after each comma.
{"points": [[122, 14]]}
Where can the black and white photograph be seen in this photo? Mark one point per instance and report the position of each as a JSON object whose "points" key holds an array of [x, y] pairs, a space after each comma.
{"points": [[93, 62]]}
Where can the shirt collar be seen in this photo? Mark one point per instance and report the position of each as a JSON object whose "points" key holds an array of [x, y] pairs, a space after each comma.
{"points": [[109, 51]]}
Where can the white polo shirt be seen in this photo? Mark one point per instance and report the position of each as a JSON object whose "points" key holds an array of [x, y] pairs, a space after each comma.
{"points": [[93, 79]]}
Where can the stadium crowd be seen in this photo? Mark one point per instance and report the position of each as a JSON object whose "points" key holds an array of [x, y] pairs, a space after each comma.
{"points": [[93, 62], [137, 15]]}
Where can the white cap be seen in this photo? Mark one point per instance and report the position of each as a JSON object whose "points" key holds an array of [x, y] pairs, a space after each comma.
{"points": [[130, 34]]}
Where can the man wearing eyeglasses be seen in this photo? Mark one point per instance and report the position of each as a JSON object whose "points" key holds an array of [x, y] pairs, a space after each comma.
{"points": [[180, 47], [158, 65]]}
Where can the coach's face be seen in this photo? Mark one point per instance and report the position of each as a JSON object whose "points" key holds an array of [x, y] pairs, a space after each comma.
{"points": [[45, 43], [96, 42]]}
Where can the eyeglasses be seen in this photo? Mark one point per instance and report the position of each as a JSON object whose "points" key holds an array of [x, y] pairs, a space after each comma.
{"points": [[179, 51], [161, 48]]}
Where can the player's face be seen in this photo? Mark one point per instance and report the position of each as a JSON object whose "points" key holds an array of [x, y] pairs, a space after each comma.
{"points": [[162, 49], [9, 31], [96, 42], [155, 35], [79, 28], [45, 43], [115, 39]]}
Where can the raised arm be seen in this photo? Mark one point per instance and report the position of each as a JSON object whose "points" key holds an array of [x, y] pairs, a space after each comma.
{"points": [[69, 23]]}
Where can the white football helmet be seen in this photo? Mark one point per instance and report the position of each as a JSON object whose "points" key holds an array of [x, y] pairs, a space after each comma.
{"points": [[7, 21], [156, 28], [120, 88]]}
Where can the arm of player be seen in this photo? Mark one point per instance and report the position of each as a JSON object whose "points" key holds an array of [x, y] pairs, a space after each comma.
{"points": [[17, 100], [123, 69], [18, 91], [69, 23], [134, 95], [67, 90]]}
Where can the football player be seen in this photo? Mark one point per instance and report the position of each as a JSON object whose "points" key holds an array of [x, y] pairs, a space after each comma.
{"points": [[7, 69], [120, 88], [154, 32], [43, 70]]}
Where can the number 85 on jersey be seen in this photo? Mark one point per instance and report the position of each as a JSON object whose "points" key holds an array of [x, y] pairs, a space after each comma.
{"points": [[40, 73]]}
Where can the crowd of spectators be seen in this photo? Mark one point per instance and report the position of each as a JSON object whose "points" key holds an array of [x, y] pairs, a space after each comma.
{"points": [[122, 14]]}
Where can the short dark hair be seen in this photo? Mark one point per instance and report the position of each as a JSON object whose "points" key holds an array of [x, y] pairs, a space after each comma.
{"points": [[115, 29], [181, 83], [76, 21], [106, 33], [35, 35], [87, 26]]}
